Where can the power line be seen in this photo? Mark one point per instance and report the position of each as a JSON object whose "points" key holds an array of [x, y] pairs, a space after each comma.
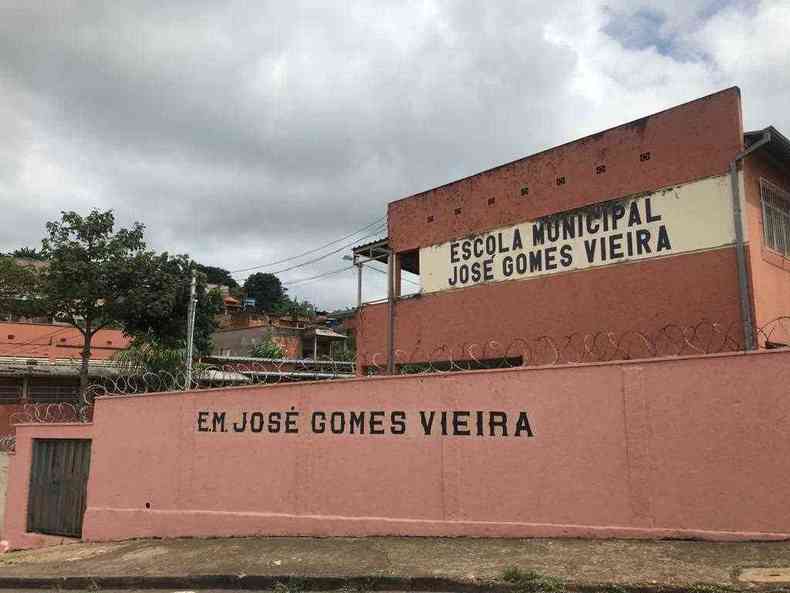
{"points": [[324, 256], [311, 251], [368, 266], [324, 275]]}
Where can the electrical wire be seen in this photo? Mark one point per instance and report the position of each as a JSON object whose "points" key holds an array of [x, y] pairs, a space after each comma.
{"points": [[412, 282], [319, 276], [311, 251], [324, 256]]}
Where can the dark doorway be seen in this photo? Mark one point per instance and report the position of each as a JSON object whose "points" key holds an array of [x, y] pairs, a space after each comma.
{"points": [[58, 486]]}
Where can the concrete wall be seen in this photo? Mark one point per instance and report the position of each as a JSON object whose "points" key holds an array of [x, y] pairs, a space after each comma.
{"points": [[688, 447], [241, 341], [643, 296], [770, 271], [691, 141]]}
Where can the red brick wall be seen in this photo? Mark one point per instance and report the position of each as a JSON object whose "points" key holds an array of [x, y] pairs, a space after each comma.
{"points": [[6, 411], [643, 296], [691, 141]]}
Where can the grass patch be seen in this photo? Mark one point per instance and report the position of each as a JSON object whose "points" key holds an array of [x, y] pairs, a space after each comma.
{"points": [[290, 586], [529, 581], [705, 588]]}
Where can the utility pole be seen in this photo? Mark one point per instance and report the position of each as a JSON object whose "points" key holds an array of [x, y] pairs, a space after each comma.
{"points": [[190, 332]]}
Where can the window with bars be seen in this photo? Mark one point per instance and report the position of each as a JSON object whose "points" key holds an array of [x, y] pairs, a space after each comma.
{"points": [[10, 390], [776, 217], [44, 391]]}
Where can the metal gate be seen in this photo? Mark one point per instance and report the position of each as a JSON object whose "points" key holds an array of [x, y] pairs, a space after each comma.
{"points": [[58, 486]]}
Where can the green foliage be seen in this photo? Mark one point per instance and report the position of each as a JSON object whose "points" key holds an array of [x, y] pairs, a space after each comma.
{"points": [[96, 275], [100, 277], [267, 290], [216, 275], [19, 289], [28, 253], [150, 357], [709, 588], [268, 349], [532, 582], [171, 276], [295, 309], [293, 585]]}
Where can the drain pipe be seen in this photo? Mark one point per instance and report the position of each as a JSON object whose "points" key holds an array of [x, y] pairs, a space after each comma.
{"points": [[740, 249], [391, 271]]}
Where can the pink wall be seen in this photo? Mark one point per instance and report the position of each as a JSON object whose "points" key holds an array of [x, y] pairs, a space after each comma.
{"points": [[691, 447], [770, 271]]}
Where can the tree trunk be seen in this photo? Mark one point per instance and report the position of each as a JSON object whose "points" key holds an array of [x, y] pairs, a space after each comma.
{"points": [[86, 357]]}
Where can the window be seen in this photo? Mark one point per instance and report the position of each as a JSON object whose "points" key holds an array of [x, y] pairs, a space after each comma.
{"points": [[48, 391], [10, 390], [776, 217]]}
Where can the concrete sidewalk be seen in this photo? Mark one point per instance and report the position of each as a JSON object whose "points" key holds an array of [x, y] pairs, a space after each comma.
{"points": [[405, 563]]}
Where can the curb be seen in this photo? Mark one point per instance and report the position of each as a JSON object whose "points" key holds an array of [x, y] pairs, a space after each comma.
{"points": [[358, 583]]}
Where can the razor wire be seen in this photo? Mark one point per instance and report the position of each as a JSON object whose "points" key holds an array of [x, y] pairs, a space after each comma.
{"points": [[705, 337], [672, 340]]}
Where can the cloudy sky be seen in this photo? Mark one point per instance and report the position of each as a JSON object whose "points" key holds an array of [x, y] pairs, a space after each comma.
{"points": [[244, 133]]}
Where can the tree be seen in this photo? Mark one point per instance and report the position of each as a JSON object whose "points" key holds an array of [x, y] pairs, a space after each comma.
{"points": [[216, 275], [266, 289], [28, 253], [169, 331], [18, 288], [268, 348], [295, 308], [97, 277]]}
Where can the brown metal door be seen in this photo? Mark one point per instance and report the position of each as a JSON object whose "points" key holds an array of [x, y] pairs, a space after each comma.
{"points": [[58, 486]]}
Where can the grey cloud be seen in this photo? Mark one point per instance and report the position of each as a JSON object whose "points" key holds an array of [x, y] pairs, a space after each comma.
{"points": [[245, 132]]}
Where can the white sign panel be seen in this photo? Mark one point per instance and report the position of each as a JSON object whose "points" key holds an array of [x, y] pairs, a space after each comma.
{"points": [[685, 218]]}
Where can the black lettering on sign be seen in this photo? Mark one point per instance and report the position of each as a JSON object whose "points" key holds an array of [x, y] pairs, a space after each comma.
{"points": [[241, 427], [566, 256], [507, 266], [649, 217], [290, 421], [538, 233], [427, 422], [377, 422], [218, 421], [256, 422], [523, 425], [517, 242], [454, 252], [359, 423], [461, 423], [274, 422], [488, 270], [318, 422], [398, 422], [663, 239]]}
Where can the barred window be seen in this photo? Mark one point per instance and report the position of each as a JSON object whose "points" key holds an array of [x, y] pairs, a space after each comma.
{"points": [[10, 390], [776, 217], [47, 391]]}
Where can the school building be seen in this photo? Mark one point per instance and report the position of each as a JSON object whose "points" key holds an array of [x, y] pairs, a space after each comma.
{"points": [[676, 218]]}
